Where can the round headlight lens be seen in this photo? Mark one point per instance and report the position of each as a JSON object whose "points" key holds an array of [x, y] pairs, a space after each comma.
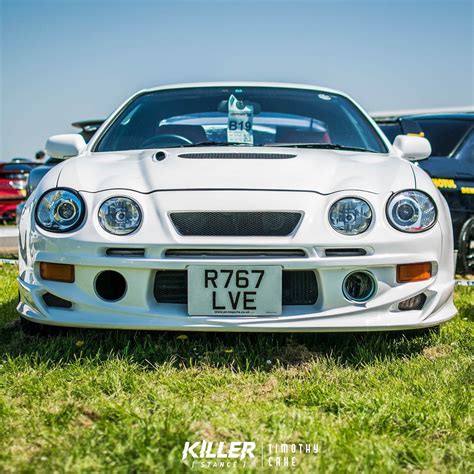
{"points": [[60, 210], [411, 211], [350, 216], [120, 215]]}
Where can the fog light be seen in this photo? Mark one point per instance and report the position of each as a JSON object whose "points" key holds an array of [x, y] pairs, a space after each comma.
{"points": [[57, 272], [110, 285], [415, 303], [359, 286], [413, 272]]}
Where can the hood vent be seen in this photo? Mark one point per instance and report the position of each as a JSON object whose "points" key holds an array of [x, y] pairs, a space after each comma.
{"points": [[237, 156]]}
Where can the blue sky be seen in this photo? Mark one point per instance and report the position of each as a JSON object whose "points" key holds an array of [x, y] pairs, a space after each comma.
{"points": [[67, 60]]}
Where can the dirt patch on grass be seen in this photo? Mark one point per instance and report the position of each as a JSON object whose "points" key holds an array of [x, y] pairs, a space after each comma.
{"points": [[294, 354], [203, 430], [87, 418], [436, 352], [268, 387]]}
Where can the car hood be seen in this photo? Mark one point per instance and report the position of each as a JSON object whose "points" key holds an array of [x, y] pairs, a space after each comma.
{"points": [[322, 171]]}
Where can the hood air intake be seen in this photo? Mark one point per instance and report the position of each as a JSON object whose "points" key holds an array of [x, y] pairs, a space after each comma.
{"points": [[237, 156]]}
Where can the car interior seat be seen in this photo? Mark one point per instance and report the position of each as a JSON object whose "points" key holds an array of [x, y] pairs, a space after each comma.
{"points": [[194, 133]]}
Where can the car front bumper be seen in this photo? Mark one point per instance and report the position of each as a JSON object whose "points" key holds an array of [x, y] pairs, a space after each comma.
{"points": [[87, 249], [138, 309]]}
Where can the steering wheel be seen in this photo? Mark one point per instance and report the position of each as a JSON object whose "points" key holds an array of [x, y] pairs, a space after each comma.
{"points": [[164, 140]]}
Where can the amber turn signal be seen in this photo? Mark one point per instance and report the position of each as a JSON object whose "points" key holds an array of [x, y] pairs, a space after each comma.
{"points": [[410, 272], [57, 272]]}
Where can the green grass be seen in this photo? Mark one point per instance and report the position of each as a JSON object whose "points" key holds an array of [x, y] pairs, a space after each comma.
{"points": [[103, 401]]}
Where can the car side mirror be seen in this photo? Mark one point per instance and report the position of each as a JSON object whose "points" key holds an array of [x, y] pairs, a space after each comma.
{"points": [[412, 148], [65, 146]]}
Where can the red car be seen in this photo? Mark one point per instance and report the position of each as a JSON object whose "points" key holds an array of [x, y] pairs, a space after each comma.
{"points": [[13, 178]]}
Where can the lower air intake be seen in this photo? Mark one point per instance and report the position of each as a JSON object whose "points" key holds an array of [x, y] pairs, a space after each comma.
{"points": [[414, 303], [54, 301]]}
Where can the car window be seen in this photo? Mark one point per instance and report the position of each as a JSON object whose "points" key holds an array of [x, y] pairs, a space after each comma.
{"points": [[391, 130], [253, 116], [467, 148], [444, 135]]}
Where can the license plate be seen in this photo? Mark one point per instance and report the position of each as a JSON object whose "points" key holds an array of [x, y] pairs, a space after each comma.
{"points": [[234, 290]]}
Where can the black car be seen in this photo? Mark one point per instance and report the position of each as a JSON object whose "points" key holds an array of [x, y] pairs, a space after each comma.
{"points": [[451, 166]]}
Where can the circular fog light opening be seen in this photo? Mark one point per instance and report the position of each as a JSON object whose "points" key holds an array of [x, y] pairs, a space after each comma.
{"points": [[110, 285], [359, 286]]}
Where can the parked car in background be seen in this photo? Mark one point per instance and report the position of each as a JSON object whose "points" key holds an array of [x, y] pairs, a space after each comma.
{"points": [[88, 128], [237, 207], [451, 166], [13, 182], [19, 159]]}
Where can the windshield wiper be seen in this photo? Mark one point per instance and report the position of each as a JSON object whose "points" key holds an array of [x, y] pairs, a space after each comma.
{"points": [[212, 143], [323, 146]]}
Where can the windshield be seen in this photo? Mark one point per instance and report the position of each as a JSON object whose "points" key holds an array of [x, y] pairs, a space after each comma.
{"points": [[444, 135], [227, 116]]}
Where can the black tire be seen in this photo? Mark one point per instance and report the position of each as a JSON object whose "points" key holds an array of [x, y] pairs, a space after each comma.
{"points": [[466, 248]]}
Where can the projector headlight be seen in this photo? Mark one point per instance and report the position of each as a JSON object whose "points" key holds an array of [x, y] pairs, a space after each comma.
{"points": [[411, 211], [120, 215], [350, 216], [60, 210]]}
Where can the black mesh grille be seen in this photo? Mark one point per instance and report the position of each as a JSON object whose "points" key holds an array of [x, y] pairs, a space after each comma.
{"points": [[298, 287], [237, 156], [171, 286], [275, 224]]}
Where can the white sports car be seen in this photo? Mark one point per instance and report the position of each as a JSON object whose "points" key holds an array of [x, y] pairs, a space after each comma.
{"points": [[237, 207]]}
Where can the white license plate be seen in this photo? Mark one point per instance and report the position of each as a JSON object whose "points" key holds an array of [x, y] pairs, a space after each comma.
{"points": [[234, 290]]}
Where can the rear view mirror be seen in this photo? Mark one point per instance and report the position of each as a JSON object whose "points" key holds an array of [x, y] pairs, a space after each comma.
{"points": [[412, 148], [223, 106], [65, 146]]}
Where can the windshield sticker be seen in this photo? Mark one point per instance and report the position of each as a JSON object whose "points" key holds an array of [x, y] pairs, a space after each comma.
{"points": [[239, 122]]}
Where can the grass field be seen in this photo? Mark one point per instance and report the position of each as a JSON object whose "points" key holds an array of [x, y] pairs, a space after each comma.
{"points": [[92, 401]]}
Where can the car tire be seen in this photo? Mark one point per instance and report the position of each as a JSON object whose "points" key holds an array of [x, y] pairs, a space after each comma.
{"points": [[466, 251]]}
